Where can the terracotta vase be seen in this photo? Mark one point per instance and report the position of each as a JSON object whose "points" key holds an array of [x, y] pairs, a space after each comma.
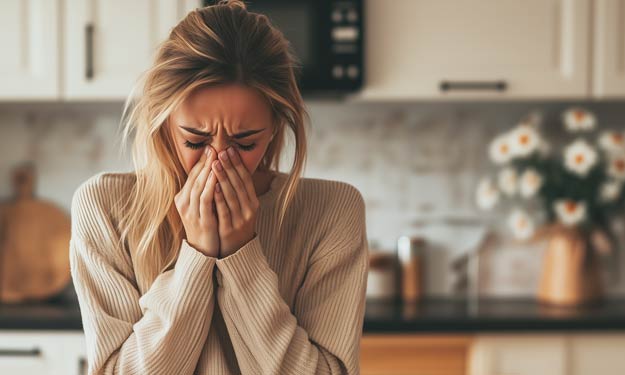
{"points": [[570, 270]]}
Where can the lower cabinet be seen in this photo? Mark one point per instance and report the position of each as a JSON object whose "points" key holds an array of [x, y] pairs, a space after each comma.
{"points": [[42, 353], [493, 354], [63, 353], [519, 355], [394, 354], [592, 354], [553, 354]]}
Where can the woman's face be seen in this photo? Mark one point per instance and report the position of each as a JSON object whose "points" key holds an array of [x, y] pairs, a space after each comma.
{"points": [[222, 116]]}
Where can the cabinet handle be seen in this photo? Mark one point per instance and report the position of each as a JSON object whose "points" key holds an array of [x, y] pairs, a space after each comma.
{"points": [[473, 85], [89, 51], [35, 352], [82, 366]]}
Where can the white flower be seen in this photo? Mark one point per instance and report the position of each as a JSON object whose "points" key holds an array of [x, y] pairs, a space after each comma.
{"points": [[499, 149], [580, 157], [487, 194], [507, 179], [524, 140], [610, 190], [521, 224], [616, 166], [531, 181], [612, 141], [569, 211], [578, 119]]}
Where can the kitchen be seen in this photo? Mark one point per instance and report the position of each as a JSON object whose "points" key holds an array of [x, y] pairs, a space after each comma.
{"points": [[408, 99]]}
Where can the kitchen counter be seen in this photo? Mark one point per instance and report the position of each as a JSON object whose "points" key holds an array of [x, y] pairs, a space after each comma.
{"points": [[439, 315], [431, 315], [55, 314]]}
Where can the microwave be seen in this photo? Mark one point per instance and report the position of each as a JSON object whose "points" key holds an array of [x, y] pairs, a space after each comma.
{"points": [[326, 35]]}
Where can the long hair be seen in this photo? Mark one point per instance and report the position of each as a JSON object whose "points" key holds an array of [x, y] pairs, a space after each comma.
{"points": [[218, 44]]}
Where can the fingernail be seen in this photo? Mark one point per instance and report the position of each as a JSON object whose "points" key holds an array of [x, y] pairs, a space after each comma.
{"points": [[208, 152], [219, 167], [231, 151], [224, 155]]}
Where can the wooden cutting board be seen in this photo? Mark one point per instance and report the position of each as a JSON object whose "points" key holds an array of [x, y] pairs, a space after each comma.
{"points": [[34, 243]]}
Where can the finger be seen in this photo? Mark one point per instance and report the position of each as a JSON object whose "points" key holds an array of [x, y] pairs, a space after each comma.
{"points": [[207, 197], [198, 185], [186, 188], [234, 178], [223, 213], [243, 173], [227, 192]]}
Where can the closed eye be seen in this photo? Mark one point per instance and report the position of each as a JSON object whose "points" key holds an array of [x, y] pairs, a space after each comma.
{"points": [[195, 146]]}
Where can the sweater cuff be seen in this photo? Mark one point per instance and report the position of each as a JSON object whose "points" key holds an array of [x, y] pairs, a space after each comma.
{"points": [[244, 265], [192, 260]]}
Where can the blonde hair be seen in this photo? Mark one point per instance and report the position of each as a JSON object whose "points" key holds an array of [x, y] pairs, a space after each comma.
{"points": [[213, 45]]}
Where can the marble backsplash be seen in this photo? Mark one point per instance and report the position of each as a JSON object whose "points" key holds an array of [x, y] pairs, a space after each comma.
{"points": [[416, 164]]}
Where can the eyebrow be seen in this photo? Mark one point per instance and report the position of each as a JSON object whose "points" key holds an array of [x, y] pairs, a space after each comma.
{"points": [[244, 134]]}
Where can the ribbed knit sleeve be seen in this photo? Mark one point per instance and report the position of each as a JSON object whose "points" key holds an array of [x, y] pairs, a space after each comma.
{"points": [[322, 335], [160, 332]]}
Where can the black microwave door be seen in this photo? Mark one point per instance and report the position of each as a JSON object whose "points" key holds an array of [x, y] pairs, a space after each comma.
{"points": [[327, 54]]}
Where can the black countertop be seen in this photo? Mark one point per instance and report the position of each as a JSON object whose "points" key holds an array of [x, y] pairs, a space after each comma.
{"points": [[431, 315], [437, 315], [53, 314]]}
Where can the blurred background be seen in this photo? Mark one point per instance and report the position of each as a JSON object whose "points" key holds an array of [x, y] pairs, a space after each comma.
{"points": [[476, 266]]}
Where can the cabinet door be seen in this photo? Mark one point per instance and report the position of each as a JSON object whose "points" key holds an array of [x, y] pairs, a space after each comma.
{"points": [[110, 43], [29, 67], [432, 49], [593, 354], [609, 50], [519, 355], [406, 354], [42, 352]]}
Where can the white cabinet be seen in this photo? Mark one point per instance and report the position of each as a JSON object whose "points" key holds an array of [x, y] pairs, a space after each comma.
{"points": [[609, 49], [553, 354], [29, 67], [518, 355], [81, 49], [593, 354], [431, 49], [415, 49], [108, 44], [42, 353]]}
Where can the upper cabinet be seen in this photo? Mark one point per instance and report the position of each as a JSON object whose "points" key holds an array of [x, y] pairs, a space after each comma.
{"points": [[81, 49], [415, 49], [609, 49], [29, 67], [108, 44], [422, 49]]}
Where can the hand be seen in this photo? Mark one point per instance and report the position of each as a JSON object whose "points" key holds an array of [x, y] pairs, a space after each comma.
{"points": [[236, 202], [195, 206]]}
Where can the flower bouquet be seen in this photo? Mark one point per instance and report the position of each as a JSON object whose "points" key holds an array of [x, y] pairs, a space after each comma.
{"points": [[571, 194]]}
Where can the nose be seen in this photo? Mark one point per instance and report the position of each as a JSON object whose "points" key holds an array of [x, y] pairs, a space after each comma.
{"points": [[214, 150], [218, 145]]}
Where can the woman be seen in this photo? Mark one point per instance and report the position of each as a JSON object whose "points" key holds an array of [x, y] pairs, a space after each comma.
{"points": [[206, 259]]}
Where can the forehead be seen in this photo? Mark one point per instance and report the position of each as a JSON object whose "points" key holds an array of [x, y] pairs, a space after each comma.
{"points": [[229, 104]]}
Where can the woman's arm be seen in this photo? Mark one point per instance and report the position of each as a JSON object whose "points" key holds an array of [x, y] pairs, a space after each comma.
{"points": [[323, 334], [160, 332]]}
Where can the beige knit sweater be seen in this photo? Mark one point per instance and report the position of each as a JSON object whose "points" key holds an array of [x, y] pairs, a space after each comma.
{"points": [[289, 304]]}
